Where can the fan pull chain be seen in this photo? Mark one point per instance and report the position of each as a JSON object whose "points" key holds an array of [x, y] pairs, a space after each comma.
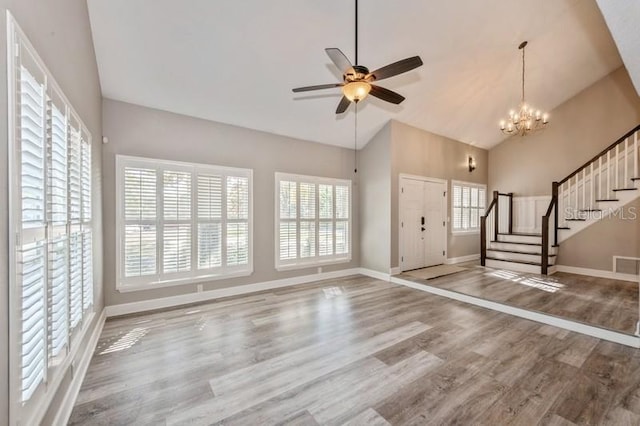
{"points": [[355, 143]]}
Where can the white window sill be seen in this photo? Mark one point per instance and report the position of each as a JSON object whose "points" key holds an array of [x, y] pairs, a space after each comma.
{"points": [[127, 288], [470, 232], [314, 264]]}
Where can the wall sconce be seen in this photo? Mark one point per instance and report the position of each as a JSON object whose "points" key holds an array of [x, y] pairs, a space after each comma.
{"points": [[472, 164]]}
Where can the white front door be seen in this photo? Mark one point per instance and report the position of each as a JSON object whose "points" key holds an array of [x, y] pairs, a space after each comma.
{"points": [[422, 223]]}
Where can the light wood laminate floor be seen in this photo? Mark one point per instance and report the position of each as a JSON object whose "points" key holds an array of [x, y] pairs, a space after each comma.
{"points": [[352, 351], [602, 302]]}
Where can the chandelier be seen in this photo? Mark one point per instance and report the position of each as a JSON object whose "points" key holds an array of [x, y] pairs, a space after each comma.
{"points": [[526, 119]]}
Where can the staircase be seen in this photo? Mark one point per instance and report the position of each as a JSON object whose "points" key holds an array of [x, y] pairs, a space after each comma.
{"points": [[594, 191]]}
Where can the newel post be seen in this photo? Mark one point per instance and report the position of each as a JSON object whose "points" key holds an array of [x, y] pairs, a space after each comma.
{"points": [[554, 198], [496, 197]]}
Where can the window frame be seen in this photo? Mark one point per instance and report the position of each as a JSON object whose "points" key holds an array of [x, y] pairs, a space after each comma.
{"points": [[470, 185], [33, 409], [317, 260], [155, 281]]}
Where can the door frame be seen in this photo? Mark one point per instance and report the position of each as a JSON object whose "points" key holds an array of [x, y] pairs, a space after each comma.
{"points": [[445, 199]]}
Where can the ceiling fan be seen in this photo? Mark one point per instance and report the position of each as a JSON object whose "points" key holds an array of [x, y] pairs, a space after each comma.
{"points": [[357, 80]]}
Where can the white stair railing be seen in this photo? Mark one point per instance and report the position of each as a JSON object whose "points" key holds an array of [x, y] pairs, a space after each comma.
{"points": [[598, 180]]}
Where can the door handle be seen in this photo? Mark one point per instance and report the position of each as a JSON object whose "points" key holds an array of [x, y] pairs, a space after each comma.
{"points": [[422, 221], [423, 229]]}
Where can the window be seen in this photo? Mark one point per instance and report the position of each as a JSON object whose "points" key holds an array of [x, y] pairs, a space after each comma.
{"points": [[468, 202], [181, 222], [313, 221], [52, 273]]}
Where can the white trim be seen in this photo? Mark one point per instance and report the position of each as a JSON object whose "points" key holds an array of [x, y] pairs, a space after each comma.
{"points": [[445, 182], [182, 281], [460, 183], [395, 270], [159, 280], [616, 258], [462, 259], [80, 367], [374, 274], [42, 406], [600, 333], [184, 299], [317, 260], [597, 273]]}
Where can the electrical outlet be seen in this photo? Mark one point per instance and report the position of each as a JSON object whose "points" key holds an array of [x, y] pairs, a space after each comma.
{"points": [[200, 288]]}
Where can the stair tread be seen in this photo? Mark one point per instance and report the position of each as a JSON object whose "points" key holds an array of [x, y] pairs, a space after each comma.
{"points": [[518, 252], [575, 220], [607, 199], [524, 262], [590, 210], [625, 189], [564, 227], [516, 242], [635, 178], [520, 234]]}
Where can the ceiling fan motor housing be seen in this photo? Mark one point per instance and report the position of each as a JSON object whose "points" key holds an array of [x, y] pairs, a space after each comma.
{"points": [[357, 72]]}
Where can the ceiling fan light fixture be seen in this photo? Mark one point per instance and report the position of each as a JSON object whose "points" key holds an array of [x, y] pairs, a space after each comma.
{"points": [[356, 91]]}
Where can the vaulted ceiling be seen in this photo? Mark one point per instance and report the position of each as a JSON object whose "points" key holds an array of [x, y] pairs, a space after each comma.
{"points": [[236, 61]]}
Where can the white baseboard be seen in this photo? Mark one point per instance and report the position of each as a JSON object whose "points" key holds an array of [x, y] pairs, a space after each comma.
{"points": [[600, 333], [395, 270], [462, 259], [598, 273], [79, 371], [374, 274], [185, 299]]}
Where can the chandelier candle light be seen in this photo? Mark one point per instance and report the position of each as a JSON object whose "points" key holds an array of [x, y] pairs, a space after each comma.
{"points": [[527, 119]]}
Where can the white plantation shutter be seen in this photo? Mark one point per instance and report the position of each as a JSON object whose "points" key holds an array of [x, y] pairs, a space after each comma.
{"points": [[87, 270], [75, 279], [307, 221], [177, 248], [74, 177], [313, 220], [237, 191], [181, 221], [58, 285], [31, 143], [58, 165], [32, 149], [140, 206], [32, 277], [177, 207], [467, 204], [85, 181], [288, 240], [209, 221], [51, 177]]}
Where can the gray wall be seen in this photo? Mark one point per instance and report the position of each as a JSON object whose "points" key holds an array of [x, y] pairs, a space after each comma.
{"points": [[60, 32], [374, 165], [594, 247], [145, 132], [579, 129], [418, 152]]}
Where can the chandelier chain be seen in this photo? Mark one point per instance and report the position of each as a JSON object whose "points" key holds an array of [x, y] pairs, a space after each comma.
{"points": [[523, 49]]}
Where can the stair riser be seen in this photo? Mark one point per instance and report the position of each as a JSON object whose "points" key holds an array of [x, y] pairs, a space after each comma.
{"points": [[520, 239], [520, 247], [519, 256], [520, 267]]}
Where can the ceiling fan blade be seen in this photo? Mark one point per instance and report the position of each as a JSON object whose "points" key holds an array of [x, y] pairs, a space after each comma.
{"points": [[386, 94], [343, 105], [318, 87], [339, 59], [395, 68]]}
